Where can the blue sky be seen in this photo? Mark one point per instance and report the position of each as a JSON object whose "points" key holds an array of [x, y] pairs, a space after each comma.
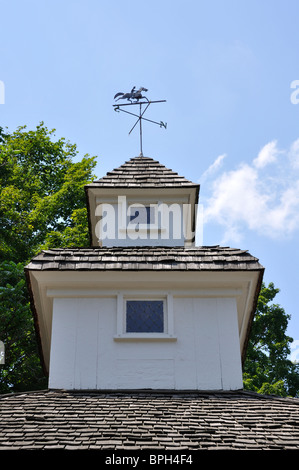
{"points": [[225, 69]]}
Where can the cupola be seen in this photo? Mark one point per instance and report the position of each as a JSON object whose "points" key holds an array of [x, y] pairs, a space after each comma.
{"points": [[142, 203], [143, 307]]}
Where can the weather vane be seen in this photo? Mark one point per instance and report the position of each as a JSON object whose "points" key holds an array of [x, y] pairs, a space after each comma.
{"points": [[134, 96]]}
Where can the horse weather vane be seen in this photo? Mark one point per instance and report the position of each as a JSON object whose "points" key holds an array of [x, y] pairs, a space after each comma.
{"points": [[136, 98]]}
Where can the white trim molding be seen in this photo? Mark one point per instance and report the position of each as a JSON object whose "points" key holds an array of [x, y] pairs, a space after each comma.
{"points": [[167, 335]]}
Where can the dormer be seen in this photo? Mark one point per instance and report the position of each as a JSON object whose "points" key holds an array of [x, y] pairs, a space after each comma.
{"points": [[142, 203]]}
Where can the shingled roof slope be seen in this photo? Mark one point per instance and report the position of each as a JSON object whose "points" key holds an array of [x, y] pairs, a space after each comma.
{"points": [[237, 420], [142, 172], [203, 258]]}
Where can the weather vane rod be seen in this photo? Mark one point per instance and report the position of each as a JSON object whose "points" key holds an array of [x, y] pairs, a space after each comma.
{"points": [[134, 96]]}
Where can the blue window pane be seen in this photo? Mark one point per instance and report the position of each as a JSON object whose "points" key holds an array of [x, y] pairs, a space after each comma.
{"points": [[145, 316], [142, 215]]}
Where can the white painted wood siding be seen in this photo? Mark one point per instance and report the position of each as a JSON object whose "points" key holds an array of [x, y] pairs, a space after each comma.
{"points": [[171, 225], [205, 355]]}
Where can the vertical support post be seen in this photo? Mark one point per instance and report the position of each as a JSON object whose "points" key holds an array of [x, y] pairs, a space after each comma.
{"points": [[140, 126]]}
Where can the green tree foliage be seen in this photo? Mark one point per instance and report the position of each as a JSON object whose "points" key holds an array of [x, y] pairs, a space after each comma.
{"points": [[267, 368], [41, 192], [22, 370], [42, 205]]}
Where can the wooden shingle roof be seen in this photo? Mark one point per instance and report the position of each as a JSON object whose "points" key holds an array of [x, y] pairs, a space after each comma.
{"points": [[142, 172], [148, 420], [205, 258]]}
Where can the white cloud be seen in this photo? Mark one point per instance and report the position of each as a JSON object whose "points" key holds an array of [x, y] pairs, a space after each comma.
{"points": [[249, 197], [213, 167], [294, 154], [267, 155]]}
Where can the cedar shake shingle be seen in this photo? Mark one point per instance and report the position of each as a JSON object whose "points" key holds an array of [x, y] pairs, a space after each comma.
{"points": [[205, 258], [148, 420], [142, 172]]}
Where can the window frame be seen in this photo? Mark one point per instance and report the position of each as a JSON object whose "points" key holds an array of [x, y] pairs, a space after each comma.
{"points": [[168, 333], [131, 226], [151, 214]]}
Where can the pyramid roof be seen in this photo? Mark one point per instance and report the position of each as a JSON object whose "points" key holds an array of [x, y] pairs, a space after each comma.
{"points": [[142, 172]]}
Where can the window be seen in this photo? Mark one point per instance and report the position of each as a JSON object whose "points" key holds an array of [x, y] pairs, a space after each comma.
{"points": [[142, 216], [144, 317]]}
